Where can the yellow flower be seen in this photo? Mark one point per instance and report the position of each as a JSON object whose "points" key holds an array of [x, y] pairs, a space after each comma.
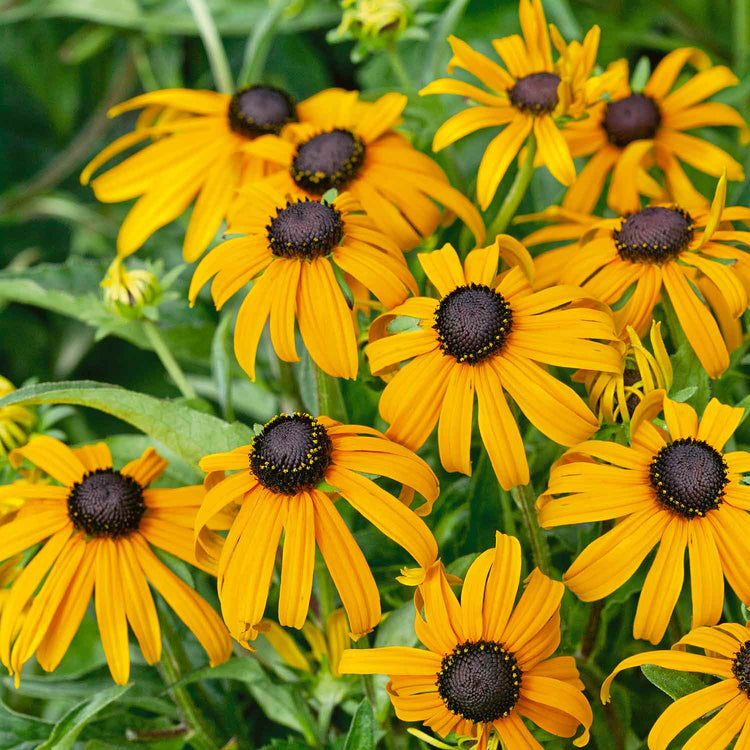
{"points": [[487, 665], [678, 488], [486, 335], [325, 645], [16, 422], [614, 396], [297, 247], [277, 483], [634, 130], [349, 144], [661, 247], [727, 655], [132, 289], [197, 153], [526, 98], [96, 532]]}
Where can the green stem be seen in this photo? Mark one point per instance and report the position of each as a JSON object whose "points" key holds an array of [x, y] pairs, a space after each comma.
{"points": [[217, 56], [221, 365], [167, 359], [330, 400], [368, 682], [259, 43], [172, 667], [400, 71], [524, 497], [516, 192]]}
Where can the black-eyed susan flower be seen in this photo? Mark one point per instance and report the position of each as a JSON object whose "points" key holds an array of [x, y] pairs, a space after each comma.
{"points": [[727, 656], [676, 488], [128, 289], [661, 248], [528, 96], [487, 662], [635, 129], [97, 529], [614, 396], [350, 145], [197, 153], [326, 644], [277, 482], [295, 247], [16, 422], [484, 337]]}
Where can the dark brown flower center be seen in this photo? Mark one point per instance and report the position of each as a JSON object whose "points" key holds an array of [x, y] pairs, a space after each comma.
{"points": [[259, 110], [689, 477], [631, 376], [305, 229], [328, 160], [291, 453], [631, 119], [106, 503], [741, 667], [479, 681], [472, 322], [654, 234], [536, 93]]}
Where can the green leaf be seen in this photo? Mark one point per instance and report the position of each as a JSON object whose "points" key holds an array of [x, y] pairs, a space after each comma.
{"points": [[72, 289], [282, 704], [19, 731], [361, 735], [674, 684], [190, 434], [71, 725], [641, 74]]}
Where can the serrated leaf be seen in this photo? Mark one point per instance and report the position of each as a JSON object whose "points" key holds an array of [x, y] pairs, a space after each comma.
{"points": [[674, 684], [190, 434], [67, 730], [361, 735]]}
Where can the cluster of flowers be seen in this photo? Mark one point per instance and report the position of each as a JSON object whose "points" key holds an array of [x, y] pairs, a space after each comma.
{"points": [[323, 197]]}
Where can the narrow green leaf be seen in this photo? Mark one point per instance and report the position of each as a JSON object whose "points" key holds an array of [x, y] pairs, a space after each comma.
{"points": [[19, 731], [67, 730], [190, 434], [221, 365], [361, 735]]}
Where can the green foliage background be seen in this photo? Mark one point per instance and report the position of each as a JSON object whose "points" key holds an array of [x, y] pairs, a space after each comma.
{"points": [[64, 62]]}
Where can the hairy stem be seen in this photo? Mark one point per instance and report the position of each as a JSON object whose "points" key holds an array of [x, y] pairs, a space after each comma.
{"points": [[167, 359], [217, 56], [526, 501], [516, 192]]}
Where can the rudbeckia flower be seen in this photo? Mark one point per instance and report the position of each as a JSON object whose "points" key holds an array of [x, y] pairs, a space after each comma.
{"points": [[614, 396], [96, 531], [727, 656], [278, 484], [16, 422], [659, 247], [197, 153], [350, 145], [295, 248], [528, 96], [488, 336], [487, 662], [634, 130], [677, 488]]}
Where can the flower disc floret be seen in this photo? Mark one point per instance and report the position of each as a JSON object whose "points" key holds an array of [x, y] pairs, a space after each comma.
{"points": [[479, 681], [472, 322], [305, 230], [291, 453], [106, 503], [654, 234], [689, 477], [260, 110], [741, 667], [633, 118], [535, 93], [328, 160]]}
